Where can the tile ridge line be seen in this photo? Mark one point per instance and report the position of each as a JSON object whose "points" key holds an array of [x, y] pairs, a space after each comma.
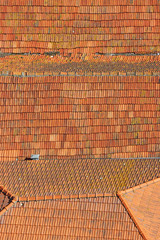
{"points": [[22, 74], [132, 189], [9, 194], [58, 53], [131, 214], [62, 197]]}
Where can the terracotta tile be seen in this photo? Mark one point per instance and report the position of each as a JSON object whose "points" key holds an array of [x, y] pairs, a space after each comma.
{"points": [[6, 200], [72, 175], [143, 207], [103, 116], [70, 213], [127, 18]]}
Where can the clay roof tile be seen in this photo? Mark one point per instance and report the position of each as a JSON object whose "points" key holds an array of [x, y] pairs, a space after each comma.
{"points": [[142, 204]]}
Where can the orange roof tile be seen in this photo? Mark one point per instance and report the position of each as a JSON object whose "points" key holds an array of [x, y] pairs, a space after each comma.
{"points": [[61, 116], [31, 65], [96, 218], [142, 203], [79, 26], [79, 85], [7, 200], [68, 177]]}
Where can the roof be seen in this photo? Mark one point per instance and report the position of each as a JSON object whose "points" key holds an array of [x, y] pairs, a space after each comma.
{"points": [[80, 177], [79, 85], [80, 64], [7, 200], [89, 218], [99, 216], [85, 26], [79, 116], [142, 203]]}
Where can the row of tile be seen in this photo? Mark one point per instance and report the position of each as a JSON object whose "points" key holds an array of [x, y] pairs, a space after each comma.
{"points": [[117, 40], [81, 23], [118, 33], [16, 15], [82, 125], [131, 109], [28, 36], [82, 138], [78, 141], [79, 3], [42, 47], [6, 73], [15, 151], [68, 97], [122, 44], [96, 118], [79, 126], [83, 89], [48, 83], [151, 150], [61, 197], [14, 98]]}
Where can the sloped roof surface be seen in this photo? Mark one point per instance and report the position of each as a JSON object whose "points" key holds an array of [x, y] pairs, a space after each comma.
{"points": [[7, 200], [97, 218], [79, 85], [80, 26], [143, 204], [76, 176], [79, 64], [61, 116], [4, 199]]}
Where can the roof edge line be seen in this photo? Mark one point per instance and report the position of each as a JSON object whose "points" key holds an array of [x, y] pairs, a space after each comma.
{"points": [[62, 197], [9, 194], [77, 74], [140, 186], [54, 53], [124, 203]]}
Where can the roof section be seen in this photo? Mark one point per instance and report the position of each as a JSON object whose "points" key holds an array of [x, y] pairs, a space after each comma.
{"points": [[96, 218], [61, 116], [80, 64], [6, 200], [143, 205], [76, 176], [80, 26]]}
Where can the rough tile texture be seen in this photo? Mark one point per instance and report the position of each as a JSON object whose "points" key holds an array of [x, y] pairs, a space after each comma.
{"points": [[32, 65], [84, 26], [98, 218], [4, 200], [143, 203], [79, 85], [61, 116], [7, 200], [76, 176]]}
